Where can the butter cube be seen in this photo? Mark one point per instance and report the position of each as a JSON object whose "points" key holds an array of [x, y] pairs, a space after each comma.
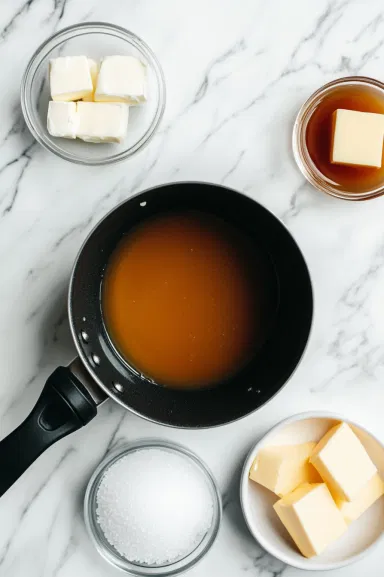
{"points": [[70, 78], [121, 79], [94, 70], [357, 138], [372, 491], [62, 119], [311, 518], [283, 468], [343, 462], [102, 121]]}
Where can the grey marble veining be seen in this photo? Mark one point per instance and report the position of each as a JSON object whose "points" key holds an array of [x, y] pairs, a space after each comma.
{"points": [[237, 71]]}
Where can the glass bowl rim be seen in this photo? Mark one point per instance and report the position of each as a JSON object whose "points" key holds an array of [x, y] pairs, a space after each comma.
{"points": [[300, 151], [67, 34], [173, 568]]}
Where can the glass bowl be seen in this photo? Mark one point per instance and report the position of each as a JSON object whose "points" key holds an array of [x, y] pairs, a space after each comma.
{"points": [[107, 550], [299, 144], [94, 40]]}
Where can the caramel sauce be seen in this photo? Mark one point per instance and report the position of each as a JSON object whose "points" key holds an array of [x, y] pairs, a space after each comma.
{"points": [[319, 137], [185, 299]]}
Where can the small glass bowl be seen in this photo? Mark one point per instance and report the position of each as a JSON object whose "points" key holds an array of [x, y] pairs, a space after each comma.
{"points": [[109, 553], [95, 40], [299, 144]]}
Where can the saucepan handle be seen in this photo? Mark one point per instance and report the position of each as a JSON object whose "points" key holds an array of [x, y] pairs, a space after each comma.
{"points": [[64, 406]]}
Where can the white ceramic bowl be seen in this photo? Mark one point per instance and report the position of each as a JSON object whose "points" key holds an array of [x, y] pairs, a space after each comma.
{"points": [[266, 527]]}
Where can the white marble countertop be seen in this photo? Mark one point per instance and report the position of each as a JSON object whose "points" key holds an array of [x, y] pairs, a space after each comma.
{"points": [[236, 72]]}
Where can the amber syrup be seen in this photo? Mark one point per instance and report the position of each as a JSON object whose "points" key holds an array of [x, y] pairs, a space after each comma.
{"points": [[319, 137]]}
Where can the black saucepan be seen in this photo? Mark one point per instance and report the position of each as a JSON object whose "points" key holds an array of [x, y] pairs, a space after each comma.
{"points": [[70, 397]]}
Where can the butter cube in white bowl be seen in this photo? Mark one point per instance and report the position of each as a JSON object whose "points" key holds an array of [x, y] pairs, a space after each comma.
{"points": [[343, 462], [312, 518], [283, 468], [369, 494], [364, 516], [96, 42]]}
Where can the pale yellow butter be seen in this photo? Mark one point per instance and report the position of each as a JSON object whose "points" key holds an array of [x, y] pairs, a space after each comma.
{"points": [[311, 518], [70, 78], [121, 79], [283, 468], [102, 121], [62, 119], [357, 138], [372, 491], [343, 463]]}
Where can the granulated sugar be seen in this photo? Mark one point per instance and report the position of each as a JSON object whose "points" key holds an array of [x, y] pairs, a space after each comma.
{"points": [[154, 506]]}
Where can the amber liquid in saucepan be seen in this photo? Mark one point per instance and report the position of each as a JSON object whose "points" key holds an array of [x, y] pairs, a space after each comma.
{"points": [[185, 299], [319, 137]]}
